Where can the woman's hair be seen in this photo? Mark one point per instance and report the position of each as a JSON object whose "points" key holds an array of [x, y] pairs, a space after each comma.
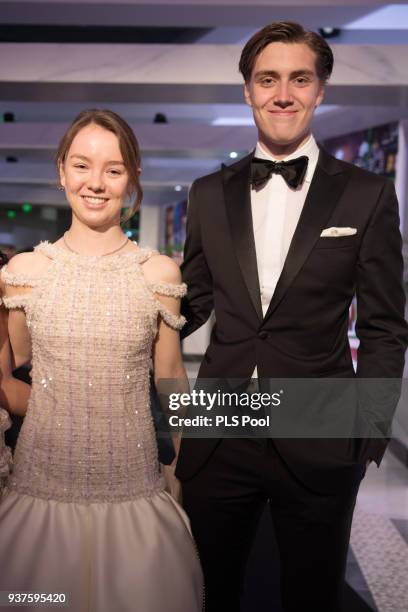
{"points": [[129, 148], [286, 32]]}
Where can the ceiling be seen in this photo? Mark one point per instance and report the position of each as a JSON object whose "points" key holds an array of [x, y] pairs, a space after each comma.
{"points": [[178, 59]]}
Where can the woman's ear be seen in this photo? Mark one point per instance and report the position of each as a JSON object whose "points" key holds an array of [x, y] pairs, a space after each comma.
{"points": [[61, 174]]}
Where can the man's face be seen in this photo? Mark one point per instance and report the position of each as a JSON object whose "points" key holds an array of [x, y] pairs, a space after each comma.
{"points": [[284, 91]]}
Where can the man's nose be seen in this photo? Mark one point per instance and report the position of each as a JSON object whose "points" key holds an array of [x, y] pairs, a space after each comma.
{"points": [[283, 96]]}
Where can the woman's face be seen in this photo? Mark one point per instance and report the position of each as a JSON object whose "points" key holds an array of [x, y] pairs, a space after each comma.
{"points": [[95, 178]]}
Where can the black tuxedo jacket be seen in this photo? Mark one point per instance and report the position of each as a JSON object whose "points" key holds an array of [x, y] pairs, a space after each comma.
{"points": [[304, 332]]}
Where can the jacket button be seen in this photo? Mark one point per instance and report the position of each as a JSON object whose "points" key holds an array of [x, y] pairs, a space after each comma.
{"points": [[263, 335]]}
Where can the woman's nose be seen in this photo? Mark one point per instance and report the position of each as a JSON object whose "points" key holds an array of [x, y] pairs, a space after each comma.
{"points": [[95, 181]]}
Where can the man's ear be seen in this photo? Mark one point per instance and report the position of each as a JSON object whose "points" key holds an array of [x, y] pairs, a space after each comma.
{"points": [[320, 95], [247, 94]]}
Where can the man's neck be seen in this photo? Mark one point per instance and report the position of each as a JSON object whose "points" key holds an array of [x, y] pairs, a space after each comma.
{"points": [[279, 151]]}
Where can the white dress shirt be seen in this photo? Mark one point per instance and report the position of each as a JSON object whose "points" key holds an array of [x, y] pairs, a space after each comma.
{"points": [[276, 209]]}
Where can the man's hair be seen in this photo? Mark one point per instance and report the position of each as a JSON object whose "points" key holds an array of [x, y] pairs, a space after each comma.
{"points": [[286, 32]]}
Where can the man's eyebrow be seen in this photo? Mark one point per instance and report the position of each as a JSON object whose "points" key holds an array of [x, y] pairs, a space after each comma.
{"points": [[294, 74], [85, 158]]}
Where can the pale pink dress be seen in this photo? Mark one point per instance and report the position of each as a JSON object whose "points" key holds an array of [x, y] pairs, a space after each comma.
{"points": [[85, 512]]}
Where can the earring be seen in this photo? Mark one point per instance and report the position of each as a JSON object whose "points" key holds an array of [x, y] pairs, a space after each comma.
{"points": [[60, 188]]}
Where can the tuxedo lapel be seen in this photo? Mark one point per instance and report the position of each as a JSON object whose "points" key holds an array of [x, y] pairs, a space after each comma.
{"points": [[238, 206], [327, 185]]}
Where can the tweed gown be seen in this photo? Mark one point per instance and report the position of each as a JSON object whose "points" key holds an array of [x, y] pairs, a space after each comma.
{"points": [[84, 511]]}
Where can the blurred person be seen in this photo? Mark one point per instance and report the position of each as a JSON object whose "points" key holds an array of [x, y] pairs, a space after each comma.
{"points": [[277, 244], [8, 250], [14, 394], [85, 512]]}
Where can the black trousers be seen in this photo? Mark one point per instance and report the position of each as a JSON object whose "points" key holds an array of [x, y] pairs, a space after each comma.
{"points": [[225, 500]]}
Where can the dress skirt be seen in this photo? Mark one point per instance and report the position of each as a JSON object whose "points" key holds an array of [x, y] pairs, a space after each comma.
{"points": [[132, 556]]}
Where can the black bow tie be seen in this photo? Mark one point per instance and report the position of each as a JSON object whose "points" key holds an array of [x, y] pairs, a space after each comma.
{"points": [[293, 171]]}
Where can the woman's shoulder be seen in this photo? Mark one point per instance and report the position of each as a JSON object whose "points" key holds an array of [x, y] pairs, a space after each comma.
{"points": [[31, 264], [161, 268]]}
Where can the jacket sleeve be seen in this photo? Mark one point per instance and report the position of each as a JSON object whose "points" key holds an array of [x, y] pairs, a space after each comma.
{"points": [[198, 304], [381, 326]]}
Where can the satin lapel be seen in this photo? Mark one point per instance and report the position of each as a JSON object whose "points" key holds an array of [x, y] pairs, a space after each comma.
{"points": [[327, 185], [238, 205]]}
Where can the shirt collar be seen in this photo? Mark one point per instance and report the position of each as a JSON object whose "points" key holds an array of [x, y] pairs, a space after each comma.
{"points": [[309, 148]]}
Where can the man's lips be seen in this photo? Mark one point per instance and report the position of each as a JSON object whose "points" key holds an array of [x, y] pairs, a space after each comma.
{"points": [[281, 113]]}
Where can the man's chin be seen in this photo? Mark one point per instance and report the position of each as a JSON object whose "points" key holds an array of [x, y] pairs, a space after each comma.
{"points": [[284, 142]]}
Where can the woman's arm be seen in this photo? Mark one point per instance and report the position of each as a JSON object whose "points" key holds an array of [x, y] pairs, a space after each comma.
{"points": [[169, 372], [14, 393], [21, 266]]}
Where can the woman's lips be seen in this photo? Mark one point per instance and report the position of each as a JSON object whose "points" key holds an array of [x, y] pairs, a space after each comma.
{"points": [[94, 201]]}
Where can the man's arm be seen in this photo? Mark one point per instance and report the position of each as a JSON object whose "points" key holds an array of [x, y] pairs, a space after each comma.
{"points": [[381, 327], [198, 303]]}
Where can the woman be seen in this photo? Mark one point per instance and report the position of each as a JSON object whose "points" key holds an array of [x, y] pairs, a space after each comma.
{"points": [[86, 513]]}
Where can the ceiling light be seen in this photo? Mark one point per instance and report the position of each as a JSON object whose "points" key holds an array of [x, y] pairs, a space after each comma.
{"points": [[233, 155], [329, 32], [233, 121]]}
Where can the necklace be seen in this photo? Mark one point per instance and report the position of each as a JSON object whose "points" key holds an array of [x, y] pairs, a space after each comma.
{"points": [[103, 255]]}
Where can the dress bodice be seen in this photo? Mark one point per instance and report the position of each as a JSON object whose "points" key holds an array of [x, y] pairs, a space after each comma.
{"points": [[88, 435]]}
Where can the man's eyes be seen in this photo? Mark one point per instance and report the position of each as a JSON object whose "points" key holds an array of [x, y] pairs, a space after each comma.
{"points": [[298, 80]]}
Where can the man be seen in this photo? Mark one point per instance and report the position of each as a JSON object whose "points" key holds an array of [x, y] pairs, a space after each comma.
{"points": [[279, 251]]}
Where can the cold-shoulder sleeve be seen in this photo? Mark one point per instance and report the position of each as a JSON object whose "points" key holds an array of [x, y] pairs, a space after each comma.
{"points": [[17, 280], [169, 290]]}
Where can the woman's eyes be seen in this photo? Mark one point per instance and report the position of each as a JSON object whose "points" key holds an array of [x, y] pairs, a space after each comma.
{"points": [[111, 171]]}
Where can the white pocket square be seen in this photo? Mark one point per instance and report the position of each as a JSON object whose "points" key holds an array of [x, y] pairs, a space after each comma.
{"points": [[337, 232]]}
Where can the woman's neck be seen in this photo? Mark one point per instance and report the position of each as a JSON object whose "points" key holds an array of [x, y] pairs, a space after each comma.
{"points": [[88, 241]]}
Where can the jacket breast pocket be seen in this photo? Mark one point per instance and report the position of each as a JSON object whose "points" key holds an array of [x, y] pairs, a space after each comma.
{"points": [[342, 242]]}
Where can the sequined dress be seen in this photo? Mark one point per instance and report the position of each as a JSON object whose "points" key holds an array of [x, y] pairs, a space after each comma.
{"points": [[85, 512]]}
